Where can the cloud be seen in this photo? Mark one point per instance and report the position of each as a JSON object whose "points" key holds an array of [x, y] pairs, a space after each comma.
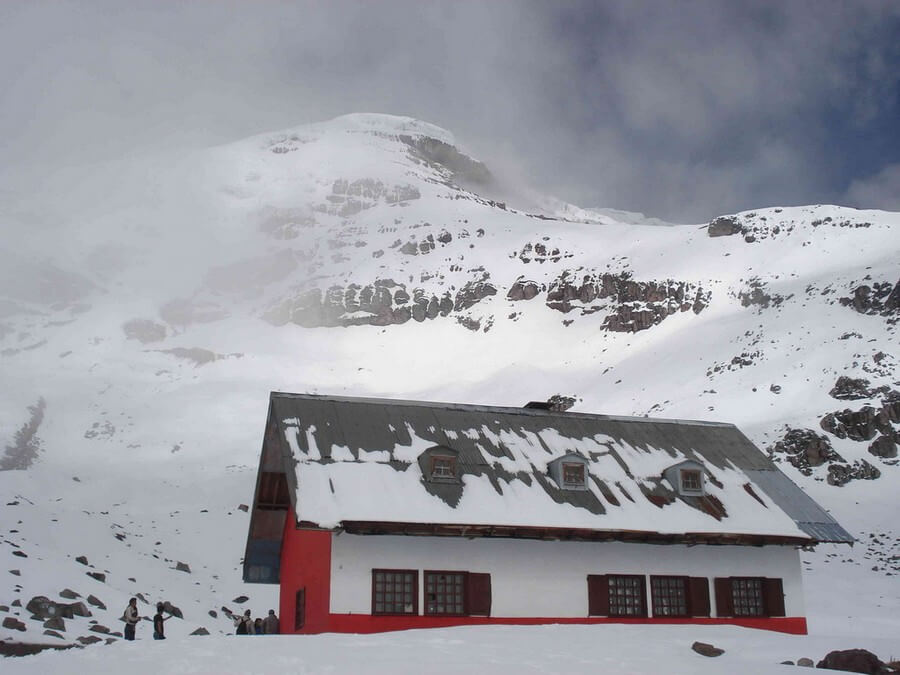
{"points": [[680, 110], [881, 191]]}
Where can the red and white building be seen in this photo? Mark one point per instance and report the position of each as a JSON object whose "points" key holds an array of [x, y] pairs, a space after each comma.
{"points": [[377, 515]]}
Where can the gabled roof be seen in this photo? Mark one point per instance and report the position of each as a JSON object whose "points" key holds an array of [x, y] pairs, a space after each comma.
{"points": [[354, 460]]}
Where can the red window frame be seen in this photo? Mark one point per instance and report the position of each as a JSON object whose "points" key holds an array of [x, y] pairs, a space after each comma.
{"points": [[742, 602], [383, 589], [460, 581], [638, 585], [662, 589], [578, 467]]}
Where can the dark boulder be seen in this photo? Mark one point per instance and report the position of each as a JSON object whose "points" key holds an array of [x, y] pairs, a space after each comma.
{"points": [[851, 389], [841, 474], [805, 449], [858, 425], [169, 608], [851, 661], [89, 639], [182, 567], [200, 631], [96, 602], [68, 594], [706, 649], [13, 623], [99, 576], [723, 226], [81, 559], [883, 446], [56, 623]]}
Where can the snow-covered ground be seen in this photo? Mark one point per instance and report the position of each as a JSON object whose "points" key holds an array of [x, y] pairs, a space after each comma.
{"points": [[154, 303], [617, 650]]}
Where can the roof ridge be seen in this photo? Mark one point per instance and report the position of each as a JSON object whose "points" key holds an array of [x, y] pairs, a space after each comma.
{"points": [[508, 410]]}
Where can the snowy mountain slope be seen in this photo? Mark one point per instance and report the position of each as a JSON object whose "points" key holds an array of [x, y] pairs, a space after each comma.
{"points": [[153, 303]]}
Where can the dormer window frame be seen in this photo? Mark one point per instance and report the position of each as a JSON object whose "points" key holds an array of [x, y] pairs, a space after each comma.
{"points": [[687, 478], [440, 464], [566, 467], [444, 468], [691, 480], [558, 470]]}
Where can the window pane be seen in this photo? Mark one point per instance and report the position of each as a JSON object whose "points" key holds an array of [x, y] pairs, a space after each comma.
{"points": [[445, 593], [394, 592], [669, 596], [626, 596], [747, 596]]}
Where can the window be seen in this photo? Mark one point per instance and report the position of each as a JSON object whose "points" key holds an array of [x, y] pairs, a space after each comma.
{"points": [[691, 480], [300, 609], [445, 593], [573, 474], [395, 592], [747, 596], [669, 596], [626, 596], [443, 466]]}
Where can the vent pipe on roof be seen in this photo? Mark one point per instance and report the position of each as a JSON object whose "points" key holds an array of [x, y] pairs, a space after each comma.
{"points": [[556, 403]]}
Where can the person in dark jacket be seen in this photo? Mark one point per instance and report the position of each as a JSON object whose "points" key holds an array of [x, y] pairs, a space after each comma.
{"points": [[243, 624], [131, 618], [270, 624], [258, 627], [159, 632]]}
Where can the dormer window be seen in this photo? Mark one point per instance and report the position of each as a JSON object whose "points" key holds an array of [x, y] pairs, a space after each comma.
{"points": [[443, 466], [691, 480], [569, 471], [687, 478], [573, 474]]}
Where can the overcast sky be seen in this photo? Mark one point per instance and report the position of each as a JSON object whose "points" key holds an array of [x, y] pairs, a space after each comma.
{"points": [[682, 110]]}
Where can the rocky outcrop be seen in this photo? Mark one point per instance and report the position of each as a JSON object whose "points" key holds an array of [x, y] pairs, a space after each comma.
{"points": [[878, 299], [632, 305], [857, 425], [523, 289], [757, 294], [348, 198], [384, 302], [854, 389], [723, 226], [461, 168], [841, 474], [805, 449]]}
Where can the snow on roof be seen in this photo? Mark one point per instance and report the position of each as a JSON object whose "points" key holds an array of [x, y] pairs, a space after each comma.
{"points": [[357, 459]]}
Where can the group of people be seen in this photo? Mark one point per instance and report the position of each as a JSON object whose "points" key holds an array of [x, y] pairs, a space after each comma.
{"points": [[132, 617], [246, 625]]}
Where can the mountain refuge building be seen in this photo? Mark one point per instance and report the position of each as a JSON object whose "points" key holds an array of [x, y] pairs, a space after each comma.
{"points": [[376, 515]]}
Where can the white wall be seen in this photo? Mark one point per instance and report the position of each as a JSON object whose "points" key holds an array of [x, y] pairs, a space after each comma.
{"points": [[546, 578]]}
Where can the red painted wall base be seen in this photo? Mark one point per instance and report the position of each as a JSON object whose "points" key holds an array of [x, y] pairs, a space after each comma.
{"points": [[363, 623]]}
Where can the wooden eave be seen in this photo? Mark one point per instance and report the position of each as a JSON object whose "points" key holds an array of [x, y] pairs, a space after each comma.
{"points": [[560, 534]]}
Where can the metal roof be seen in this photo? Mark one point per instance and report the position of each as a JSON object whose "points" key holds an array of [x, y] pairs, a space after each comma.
{"points": [[509, 447]]}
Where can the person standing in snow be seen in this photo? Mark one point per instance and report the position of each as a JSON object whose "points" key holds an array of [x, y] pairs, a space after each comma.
{"points": [[244, 624], [131, 618], [159, 632], [258, 627], [270, 623]]}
